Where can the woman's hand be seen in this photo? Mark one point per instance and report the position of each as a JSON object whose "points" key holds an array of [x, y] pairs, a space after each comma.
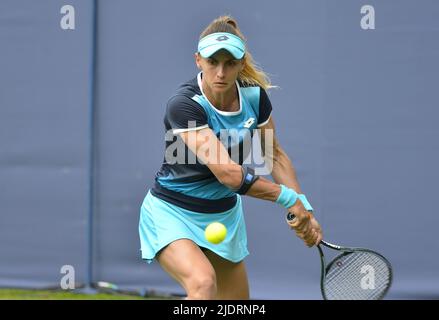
{"points": [[305, 225]]}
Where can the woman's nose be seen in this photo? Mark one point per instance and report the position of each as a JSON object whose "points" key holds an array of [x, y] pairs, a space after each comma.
{"points": [[221, 71]]}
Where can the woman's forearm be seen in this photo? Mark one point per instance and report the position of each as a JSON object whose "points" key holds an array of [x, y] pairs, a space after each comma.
{"points": [[283, 171]]}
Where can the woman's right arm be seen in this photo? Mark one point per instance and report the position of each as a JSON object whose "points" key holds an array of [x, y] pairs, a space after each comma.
{"points": [[210, 151]]}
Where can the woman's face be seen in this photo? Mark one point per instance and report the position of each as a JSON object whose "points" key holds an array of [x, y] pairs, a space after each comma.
{"points": [[220, 71]]}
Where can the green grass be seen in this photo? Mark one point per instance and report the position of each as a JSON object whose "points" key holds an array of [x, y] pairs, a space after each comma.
{"points": [[19, 294]]}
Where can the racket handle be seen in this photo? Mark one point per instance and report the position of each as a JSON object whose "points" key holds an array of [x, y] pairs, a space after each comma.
{"points": [[291, 217]]}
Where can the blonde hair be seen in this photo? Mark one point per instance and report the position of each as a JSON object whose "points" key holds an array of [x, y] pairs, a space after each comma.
{"points": [[251, 73]]}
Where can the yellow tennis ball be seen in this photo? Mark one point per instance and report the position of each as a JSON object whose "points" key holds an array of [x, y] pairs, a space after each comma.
{"points": [[215, 232]]}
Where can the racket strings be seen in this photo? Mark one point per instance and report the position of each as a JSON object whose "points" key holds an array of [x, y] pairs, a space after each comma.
{"points": [[358, 275], [347, 284], [345, 279]]}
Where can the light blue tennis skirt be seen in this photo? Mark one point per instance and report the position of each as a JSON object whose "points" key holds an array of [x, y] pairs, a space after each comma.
{"points": [[162, 223]]}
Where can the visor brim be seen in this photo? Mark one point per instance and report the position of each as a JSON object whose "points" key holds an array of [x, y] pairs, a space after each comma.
{"points": [[211, 50]]}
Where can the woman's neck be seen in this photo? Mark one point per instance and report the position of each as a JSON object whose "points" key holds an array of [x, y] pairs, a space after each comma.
{"points": [[226, 101]]}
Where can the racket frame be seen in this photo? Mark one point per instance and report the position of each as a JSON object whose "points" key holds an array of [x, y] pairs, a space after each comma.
{"points": [[344, 251]]}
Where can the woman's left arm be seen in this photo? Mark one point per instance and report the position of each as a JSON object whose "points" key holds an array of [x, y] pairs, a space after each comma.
{"points": [[282, 169]]}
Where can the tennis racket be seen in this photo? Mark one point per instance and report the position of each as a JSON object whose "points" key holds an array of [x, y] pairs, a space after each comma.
{"points": [[355, 274]]}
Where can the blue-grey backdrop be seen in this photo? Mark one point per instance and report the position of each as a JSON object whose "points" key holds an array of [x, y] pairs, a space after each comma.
{"points": [[356, 110]]}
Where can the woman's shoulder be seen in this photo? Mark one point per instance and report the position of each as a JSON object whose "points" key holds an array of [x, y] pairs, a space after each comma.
{"points": [[188, 88], [182, 99], [184, 95]]}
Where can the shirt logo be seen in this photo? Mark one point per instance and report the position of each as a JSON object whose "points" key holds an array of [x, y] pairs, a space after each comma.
{"points": [[249, 123]]}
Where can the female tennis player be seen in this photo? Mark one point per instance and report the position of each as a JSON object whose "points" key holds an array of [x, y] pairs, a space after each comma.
{"points": [[229, 94]]}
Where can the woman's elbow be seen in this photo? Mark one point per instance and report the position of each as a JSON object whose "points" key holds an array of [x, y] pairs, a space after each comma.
{"points": [[230, 178]]}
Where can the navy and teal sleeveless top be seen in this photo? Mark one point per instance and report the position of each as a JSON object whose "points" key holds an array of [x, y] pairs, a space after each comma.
{"points": [[190, 184]]}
